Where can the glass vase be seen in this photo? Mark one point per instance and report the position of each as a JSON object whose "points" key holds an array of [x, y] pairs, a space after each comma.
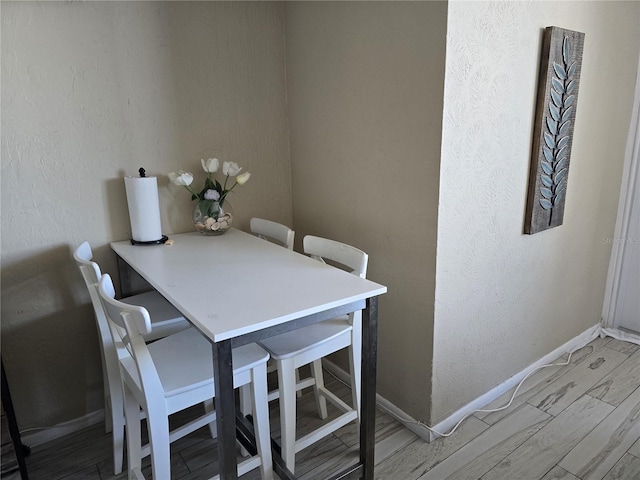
{"points": [[210, 218]]}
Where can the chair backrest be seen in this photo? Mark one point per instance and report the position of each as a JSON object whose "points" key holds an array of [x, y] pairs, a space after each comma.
{"points": [[130, 323], [83, 256], [123, 313], [110, 351], [91, 274], [351, 257], [268, 230]]}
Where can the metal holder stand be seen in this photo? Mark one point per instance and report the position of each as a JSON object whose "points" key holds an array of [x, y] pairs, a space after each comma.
{"points": [[152, 242]]}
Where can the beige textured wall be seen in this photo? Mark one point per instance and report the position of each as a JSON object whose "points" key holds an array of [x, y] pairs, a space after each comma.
{"points": [[90, 92], [504, 299], [364, 88]]}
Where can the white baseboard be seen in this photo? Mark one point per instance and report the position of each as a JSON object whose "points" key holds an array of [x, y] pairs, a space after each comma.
{"points": [[46, 434], [622, 335], [429, 433], [572, 345]]}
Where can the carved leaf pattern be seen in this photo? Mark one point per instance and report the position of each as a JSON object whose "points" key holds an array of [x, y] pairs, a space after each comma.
{"points": [[549, 140], [559, 69], [557, 84], [564, 127], [555, 163], [561, 163]]}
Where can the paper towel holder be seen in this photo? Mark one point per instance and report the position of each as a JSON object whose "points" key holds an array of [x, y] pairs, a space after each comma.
{"points": [[161, 240], [152, 242]]}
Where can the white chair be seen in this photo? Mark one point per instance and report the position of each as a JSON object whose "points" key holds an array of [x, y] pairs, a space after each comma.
{"points": [[308, 345], [268, 230], [166, 320], [281, 235], [172, 374]]}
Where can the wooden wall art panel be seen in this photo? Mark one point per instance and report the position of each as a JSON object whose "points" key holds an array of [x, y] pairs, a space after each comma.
{"points": [[558, 86]]}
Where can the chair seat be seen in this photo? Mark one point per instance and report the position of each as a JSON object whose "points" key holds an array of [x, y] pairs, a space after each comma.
{"points": [[297, 342], [189, 347], [165, 318]]}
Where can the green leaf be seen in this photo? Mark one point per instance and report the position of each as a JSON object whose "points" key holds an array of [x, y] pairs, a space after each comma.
{"points": [[209, 208]]}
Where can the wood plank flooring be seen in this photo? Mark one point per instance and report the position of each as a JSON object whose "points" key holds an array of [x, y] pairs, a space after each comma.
{"points": [[577, 422]]}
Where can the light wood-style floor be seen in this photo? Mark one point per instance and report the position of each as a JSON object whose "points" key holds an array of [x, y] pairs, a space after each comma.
{"points": [[581, 421]]}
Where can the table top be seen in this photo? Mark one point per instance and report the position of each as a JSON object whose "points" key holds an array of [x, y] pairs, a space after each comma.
{"points": [[236, 283]]}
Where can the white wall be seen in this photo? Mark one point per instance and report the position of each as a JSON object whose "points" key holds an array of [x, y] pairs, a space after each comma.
{"points": [[364, 88], [90, 92], [504, 299]]}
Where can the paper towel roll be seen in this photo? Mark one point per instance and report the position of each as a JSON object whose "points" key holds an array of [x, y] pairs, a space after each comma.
{"points": [[144, 208]]}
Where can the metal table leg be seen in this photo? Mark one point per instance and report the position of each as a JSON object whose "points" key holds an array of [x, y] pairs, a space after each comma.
{"points": [[226, 409], [364, 469], [368, 382]]}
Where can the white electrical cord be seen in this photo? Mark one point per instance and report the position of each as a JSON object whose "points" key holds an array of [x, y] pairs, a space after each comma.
{"points": [[504, 407], [513, 396]]}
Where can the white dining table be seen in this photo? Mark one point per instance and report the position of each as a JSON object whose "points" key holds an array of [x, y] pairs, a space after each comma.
{"points": [[236, 289]]}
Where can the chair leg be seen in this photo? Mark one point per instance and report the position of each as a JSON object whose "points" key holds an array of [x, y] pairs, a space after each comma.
{"points": [[298, 392], [117, 414], [258, 391], [246, 400], [213, 427], [355, 361], [321, 402], [108, 417], [107, 401], [158, 424], [246, 407], [134, 439], [287, 387]]}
